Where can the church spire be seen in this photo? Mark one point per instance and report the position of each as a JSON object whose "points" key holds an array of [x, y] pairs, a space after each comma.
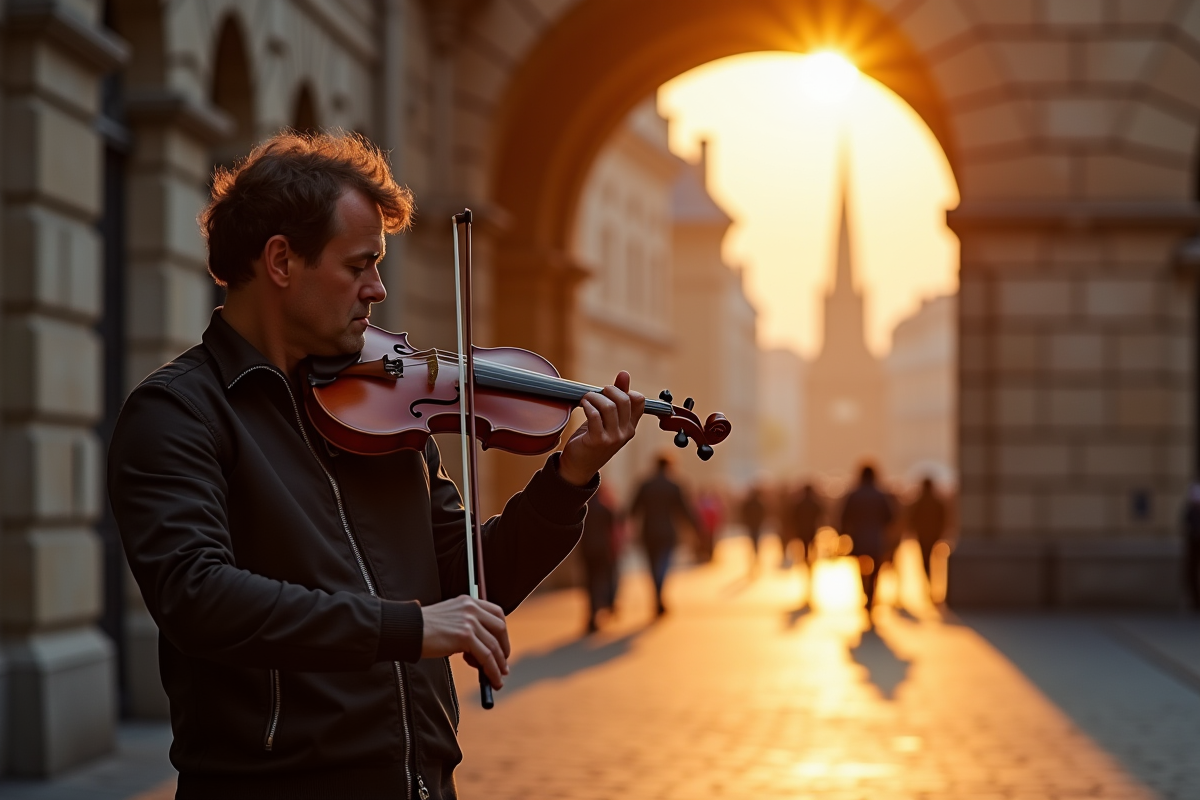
{"points": [[844, 278], [845, 336]]}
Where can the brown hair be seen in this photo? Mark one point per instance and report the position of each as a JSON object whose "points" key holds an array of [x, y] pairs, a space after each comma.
{"points": [[289, 185]]}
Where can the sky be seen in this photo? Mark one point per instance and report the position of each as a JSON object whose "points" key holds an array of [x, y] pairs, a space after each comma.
{"points": [[774, 122]]}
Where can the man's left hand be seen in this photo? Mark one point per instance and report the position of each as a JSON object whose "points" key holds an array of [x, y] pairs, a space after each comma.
{"points": [[612, 419]]}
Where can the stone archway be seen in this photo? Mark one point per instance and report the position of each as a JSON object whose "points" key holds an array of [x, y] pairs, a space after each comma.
{"points": [[595, 64], [586, 73]]}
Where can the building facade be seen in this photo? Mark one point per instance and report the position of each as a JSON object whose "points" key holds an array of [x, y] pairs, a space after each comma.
{"points": [[624, 239], [716, 359], [846, 410], [782, 414], [1071, 127], [922, 418]]}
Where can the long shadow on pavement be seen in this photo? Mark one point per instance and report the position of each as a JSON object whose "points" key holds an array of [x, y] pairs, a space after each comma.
{"points": [[568, 659], [885, 669], [1145, 716]]}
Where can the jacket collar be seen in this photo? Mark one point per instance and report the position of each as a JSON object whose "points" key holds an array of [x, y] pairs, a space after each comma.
{"points": [[233, 354]]}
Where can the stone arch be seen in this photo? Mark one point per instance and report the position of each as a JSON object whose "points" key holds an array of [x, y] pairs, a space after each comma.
{"points": [[1158, 123], [596, 62], [232, 89]]}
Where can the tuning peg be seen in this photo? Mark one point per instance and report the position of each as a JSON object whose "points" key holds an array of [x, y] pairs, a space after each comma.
{"points": [[665, 396], [689, 404], [681, 439], [704, 451]]}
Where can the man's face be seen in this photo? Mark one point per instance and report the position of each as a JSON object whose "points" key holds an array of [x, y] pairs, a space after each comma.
{"points": [[331, 300]]}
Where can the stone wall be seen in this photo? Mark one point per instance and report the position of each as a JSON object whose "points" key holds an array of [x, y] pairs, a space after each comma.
{"points": [[60, 669]]}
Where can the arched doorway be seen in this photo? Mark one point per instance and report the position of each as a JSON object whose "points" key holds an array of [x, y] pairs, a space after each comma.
{"points": [[304, 111], [583, 77], [233, 91]]}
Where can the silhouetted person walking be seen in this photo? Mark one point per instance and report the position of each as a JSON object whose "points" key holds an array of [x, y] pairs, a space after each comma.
{"points": [[754, 514], [659, 501], [711, 513], [1191, 546], [927, 520], [806, 513], [598, 547], [866, 514]]}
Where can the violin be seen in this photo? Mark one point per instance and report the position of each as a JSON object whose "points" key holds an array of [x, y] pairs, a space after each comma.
{"points": [[392, 396]]}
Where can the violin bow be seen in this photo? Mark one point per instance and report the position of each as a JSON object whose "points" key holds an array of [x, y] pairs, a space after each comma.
{"points": [[466, 418]]}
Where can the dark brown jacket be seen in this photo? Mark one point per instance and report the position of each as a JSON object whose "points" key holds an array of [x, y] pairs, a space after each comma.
{"points": [[285, 578]]}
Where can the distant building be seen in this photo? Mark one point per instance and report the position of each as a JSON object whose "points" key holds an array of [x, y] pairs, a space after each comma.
{"points": [[661, 302], [716, 359], [921, 370], [782, 402], [846, 415], [623, 237]]}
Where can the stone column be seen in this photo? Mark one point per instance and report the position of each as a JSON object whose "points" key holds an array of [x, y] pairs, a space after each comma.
{"points": [[169, 293], [1075, 380], [61, 670]]}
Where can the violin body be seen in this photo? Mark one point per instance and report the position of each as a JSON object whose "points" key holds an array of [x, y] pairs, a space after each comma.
{"points": [[372, 412]]}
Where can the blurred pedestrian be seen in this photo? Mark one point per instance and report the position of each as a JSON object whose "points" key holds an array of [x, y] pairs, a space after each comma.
{"points": [[806, 513], [787, 529], [926, 518], [754, 514], [867, 515], [599, 549], [1191, 546], [659, 502], [711, 512]]}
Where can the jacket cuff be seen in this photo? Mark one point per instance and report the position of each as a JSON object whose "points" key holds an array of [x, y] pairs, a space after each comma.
{"points": [[558, 501], [401, 632]]}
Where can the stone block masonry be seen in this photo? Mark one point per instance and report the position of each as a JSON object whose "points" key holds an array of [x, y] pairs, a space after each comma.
{"points": [[60, 671]]}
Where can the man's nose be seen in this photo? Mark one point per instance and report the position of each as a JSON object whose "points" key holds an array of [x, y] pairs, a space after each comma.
{"points": [[373, 291]]}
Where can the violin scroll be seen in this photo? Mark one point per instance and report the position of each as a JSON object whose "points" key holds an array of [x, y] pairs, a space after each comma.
{"points": [[687, 426]]}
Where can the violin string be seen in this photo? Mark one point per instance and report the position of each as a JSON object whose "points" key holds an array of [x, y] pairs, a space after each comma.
{"points": [[536, 383]]}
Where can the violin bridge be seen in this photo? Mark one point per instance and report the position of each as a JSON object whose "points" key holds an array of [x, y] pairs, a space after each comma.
{"points": [[431, 364]]}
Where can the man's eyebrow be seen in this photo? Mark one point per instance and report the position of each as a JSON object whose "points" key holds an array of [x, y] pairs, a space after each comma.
{"points": [[373, 255]]}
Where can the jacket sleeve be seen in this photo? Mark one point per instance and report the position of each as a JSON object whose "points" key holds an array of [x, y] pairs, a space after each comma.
{"points": [[168, 494], [538, 528]]}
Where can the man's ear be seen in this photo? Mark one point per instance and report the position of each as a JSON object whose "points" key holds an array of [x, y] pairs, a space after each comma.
{"points": [[277, 257]]}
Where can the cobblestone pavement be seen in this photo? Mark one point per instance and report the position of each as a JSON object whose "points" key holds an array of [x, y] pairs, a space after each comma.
{"points": [[738, 694], [743, 691]]}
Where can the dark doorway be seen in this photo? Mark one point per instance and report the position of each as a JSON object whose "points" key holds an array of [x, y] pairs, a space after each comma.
{"points": [[304, 115], [111, 328]]}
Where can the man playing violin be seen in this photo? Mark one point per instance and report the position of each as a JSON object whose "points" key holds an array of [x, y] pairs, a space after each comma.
{"points": [[308, 598]]}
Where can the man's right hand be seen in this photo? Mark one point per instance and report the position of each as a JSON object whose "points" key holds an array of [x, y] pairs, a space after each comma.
{"points": [[475, 628]]}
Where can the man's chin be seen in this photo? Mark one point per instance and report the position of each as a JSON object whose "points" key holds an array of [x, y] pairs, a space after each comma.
{"points": [[353, 342], [348, 342]]}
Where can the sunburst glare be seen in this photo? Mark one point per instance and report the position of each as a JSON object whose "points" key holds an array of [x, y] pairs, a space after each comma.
{"points": [[828, 77]]}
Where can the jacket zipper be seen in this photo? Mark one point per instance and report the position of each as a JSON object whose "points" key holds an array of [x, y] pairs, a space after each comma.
{"points": [[276, 703], [453, 692], [362, 568]]}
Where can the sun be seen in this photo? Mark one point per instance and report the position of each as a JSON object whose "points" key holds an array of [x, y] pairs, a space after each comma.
{"points": [[828, 76]]}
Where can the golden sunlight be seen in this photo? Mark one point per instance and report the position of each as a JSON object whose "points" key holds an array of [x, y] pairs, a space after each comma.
{"points": [[776, 123], [828, 77]]}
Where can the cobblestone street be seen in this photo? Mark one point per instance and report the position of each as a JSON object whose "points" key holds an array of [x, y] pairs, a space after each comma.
{"points": [[737, 694], [741, 692]]}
